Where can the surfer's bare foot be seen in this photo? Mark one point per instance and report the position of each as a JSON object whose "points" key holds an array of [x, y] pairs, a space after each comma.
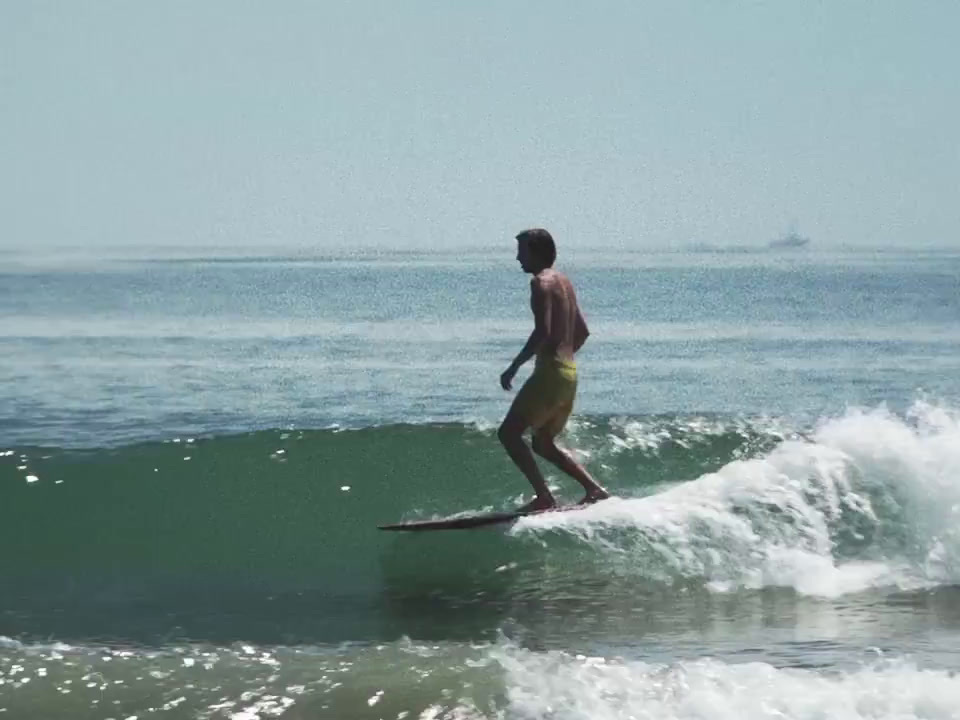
{"points": [[594, 496], [538, 503]]}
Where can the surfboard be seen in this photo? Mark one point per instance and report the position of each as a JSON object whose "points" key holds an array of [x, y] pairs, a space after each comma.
{"points": [[466, 522]]}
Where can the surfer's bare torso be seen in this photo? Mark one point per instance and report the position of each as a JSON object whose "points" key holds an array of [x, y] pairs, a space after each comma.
{"points": [[557, 314]]}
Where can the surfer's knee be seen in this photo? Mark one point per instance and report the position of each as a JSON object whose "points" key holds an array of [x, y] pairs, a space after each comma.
{"points": [[543, 446], [511, 429], [506, 434]]}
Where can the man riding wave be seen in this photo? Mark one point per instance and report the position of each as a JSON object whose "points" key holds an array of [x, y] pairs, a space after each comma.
{"points": [[546, 399]]}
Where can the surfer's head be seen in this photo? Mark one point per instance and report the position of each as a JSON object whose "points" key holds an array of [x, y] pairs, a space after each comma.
{"points": [[535, 250]]}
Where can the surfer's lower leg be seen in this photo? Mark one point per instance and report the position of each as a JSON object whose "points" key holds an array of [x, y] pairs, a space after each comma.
{"points": [[511, 437], [545, 447]]}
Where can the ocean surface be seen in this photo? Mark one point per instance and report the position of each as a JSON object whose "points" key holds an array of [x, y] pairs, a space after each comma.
{"points": [[196, 448]]}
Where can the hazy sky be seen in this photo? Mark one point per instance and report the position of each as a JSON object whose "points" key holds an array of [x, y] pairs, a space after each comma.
{"points": [[414, 123]]}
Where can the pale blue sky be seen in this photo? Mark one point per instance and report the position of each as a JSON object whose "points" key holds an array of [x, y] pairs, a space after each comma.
{"points": [[439, 123]]}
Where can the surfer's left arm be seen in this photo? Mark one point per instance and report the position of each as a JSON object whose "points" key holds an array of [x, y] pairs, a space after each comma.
{"points": [[540, 304], [580, 331]]}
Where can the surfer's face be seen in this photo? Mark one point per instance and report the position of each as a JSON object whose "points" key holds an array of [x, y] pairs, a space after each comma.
{"points": [[525, 257]]}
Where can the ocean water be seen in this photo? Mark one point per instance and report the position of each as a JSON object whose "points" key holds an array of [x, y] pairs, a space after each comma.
{"points": [[196, 448]]}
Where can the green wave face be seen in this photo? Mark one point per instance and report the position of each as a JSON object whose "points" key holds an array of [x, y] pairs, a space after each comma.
{"points": [[279, 527]]}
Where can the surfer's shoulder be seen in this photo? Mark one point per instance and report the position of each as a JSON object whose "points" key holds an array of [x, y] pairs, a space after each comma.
{"points": [[546, 279]]}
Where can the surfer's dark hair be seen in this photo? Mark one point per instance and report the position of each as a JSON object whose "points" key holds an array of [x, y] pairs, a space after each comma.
{"points": [[540, 243]]}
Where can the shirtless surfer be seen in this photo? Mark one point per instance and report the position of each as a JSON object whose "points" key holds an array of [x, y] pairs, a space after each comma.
{"points": [[546, 399]]}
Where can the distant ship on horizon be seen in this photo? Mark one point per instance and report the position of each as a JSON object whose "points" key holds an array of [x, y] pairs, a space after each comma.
{"points": [[790, 240]]}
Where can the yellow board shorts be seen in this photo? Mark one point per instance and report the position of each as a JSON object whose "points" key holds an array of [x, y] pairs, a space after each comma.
{"points": [[546, 399]]}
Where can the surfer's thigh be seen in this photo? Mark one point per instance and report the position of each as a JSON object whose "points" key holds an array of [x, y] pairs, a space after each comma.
{"points": [[534, 403], [545, 401], [563, 393], [556, 421]]}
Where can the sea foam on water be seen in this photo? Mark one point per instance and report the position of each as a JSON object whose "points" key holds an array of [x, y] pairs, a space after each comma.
{"points": [[561, 686], [868, 499]]}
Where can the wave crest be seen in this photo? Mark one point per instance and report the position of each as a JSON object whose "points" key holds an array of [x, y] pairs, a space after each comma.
{"points": [[866, 499]]}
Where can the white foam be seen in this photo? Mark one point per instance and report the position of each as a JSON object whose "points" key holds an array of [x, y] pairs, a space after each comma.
{"points": [[871, 499], [564, 687]]}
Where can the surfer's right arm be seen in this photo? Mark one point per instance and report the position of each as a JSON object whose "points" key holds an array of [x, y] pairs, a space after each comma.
{"points": [[540, 304]]}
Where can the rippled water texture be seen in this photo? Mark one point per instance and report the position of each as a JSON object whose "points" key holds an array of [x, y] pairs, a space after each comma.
{"points": [[195, 453]]}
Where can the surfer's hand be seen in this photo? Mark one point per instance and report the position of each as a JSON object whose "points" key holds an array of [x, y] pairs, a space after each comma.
{"points": [[506, 380]]}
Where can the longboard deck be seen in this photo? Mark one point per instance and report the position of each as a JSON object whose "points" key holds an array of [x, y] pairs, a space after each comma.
{"points": [[465, 522]]}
